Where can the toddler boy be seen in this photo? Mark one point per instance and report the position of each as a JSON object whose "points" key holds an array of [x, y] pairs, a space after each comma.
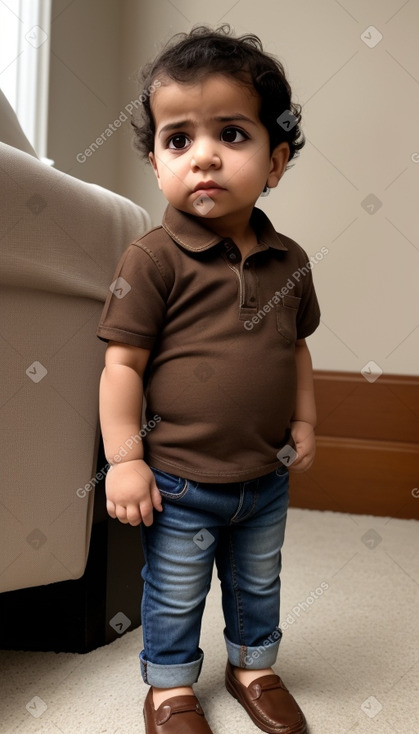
{"points": [[208, 316]]}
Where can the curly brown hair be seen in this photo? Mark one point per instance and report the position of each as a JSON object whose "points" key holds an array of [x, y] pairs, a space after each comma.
{"points": [[189, 57]]}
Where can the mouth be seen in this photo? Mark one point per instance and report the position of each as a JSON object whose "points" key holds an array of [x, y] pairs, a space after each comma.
{"points": [[207, 187]]}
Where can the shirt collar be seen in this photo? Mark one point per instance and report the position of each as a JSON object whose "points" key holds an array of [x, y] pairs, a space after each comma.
{"points": [[188, 232]]}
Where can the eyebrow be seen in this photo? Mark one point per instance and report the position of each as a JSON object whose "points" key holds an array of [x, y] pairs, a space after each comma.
{"points": [[178, 124]]}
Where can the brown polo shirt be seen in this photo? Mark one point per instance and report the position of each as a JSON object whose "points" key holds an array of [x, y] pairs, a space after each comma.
{"points": [[221, 331]]}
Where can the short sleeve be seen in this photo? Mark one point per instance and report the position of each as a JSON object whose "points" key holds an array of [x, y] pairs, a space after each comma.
{"points": [[308, 317], [135, 306]]}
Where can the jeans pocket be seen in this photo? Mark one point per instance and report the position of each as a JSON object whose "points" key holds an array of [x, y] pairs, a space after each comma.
{"points": [[286, 319], [170, 486]]}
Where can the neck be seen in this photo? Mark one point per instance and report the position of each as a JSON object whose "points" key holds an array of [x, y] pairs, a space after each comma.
{"points": [[237, 229]]}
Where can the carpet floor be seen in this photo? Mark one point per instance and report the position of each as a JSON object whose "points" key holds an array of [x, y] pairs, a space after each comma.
{"points": [[349, 654]]}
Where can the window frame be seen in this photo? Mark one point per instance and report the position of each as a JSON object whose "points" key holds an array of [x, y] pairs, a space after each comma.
{"points": [[26, 30]]}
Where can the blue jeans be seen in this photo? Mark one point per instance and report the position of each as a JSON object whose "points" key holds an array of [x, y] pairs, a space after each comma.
{"points": [[239, 525]]}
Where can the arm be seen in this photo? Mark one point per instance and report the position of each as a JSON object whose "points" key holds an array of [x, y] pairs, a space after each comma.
{"points": [[130, 486], [304, 419]]}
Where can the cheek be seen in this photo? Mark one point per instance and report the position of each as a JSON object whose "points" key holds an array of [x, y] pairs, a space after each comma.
{"points": [[169, 179], [173, 171], [248, 171], [246, 165]]}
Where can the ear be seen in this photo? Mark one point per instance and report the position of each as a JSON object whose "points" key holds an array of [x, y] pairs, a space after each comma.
{"points": [[153, 162], [279, 159]]}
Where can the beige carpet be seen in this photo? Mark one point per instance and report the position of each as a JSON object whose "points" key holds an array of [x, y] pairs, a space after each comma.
{"points": [[349, 654]]}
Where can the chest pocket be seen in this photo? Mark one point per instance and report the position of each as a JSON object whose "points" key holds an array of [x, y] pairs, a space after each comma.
{"points": [[286, 319]]}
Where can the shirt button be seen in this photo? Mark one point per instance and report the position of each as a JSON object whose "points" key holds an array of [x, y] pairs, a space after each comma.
{"points": [[252, 299], [232, 256], [247, 264]]}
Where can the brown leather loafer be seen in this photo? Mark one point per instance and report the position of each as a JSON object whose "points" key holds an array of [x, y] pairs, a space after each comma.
{"points": [[176, 715], [268, 703]]}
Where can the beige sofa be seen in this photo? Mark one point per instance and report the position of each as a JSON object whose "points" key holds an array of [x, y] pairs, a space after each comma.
{"points": [[60, 239]]}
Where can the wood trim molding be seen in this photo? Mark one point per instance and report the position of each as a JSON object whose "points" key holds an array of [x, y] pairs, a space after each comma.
{"points": [[367, 459]]}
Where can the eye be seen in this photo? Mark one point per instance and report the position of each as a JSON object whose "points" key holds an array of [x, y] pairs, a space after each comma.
{"points": [[178, 142], [233, 135]]}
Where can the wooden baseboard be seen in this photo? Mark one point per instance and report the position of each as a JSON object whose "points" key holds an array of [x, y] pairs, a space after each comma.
{"points": [[367, 459]]}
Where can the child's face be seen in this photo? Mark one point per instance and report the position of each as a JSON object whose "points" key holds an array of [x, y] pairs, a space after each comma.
{"points": [[210, 131]]}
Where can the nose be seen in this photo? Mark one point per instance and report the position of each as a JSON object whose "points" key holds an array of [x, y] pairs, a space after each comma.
{"points": [[205, 155]]}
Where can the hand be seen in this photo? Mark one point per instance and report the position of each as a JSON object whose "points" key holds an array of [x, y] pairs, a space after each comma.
{"points": [[305, 445], [132, 493]]}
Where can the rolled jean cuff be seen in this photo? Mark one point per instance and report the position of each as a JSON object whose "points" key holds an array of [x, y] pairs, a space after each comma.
{"points": [[171, 676], [256, 658]]}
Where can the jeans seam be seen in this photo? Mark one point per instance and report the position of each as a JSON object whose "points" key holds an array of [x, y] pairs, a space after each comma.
{"points": [[177, 495], [250, 511], [241, 501], [145, 596], [236, 590]]}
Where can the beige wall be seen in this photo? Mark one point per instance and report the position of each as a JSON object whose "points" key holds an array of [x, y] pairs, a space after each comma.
{"points": [[85, 78], [360, 117]]}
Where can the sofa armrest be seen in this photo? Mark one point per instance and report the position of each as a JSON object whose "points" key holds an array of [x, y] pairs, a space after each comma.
{"points": [[60, 240]]}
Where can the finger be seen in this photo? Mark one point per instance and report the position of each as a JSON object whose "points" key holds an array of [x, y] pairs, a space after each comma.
{"points": [[121, 514], [110, 506], [146, 510], [302, 464], [133, 515], [156, 497], [298, 461]]}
